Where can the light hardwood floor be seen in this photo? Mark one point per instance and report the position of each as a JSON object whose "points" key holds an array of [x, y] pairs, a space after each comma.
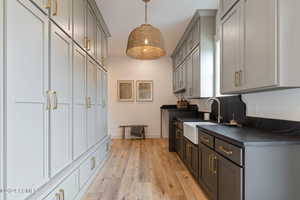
{"points": [[143, 170]]}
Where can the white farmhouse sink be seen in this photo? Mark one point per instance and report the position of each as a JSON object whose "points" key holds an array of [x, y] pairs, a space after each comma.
{"points": [[190, 130]]}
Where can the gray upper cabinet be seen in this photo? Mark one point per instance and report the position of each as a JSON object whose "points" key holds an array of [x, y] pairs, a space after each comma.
{"points": [[225, 6], [61, 14], [195, 51], [259, 56], [232, 45], [79, 11], [260, 46]]}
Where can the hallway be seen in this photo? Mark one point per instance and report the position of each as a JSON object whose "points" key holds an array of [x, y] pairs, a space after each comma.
{"points": [[143, 170]]}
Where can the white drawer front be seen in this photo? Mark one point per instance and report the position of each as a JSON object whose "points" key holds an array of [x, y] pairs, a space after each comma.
{"points": [[67, 190]]}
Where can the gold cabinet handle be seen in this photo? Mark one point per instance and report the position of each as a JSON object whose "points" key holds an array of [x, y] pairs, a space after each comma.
{"points": [[61, 194], [48, 5], [205, 139], [52, 95], [214, 166], [55, 8], [236, 79], [49, 100], [87, 44], [55, 100], [226, 151], [88, 102]]}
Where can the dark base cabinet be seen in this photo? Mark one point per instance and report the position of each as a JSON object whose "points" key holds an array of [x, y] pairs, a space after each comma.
{"points": [[209, 171], [230, 180]]}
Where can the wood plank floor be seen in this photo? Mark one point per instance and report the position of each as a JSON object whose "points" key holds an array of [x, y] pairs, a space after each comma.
{"points": [[143, 170]]}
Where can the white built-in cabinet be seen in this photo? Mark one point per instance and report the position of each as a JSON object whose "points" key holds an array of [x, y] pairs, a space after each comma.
{"points": [[259, 56], [193, 58], [56, 95]]}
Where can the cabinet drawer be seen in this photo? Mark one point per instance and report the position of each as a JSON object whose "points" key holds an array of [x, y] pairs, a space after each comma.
{"points": [[67, 190], [231, 152], [206, 139], [86, 169]]}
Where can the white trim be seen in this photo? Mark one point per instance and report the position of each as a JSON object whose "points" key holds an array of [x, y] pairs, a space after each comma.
{"points": [[2, 83]]}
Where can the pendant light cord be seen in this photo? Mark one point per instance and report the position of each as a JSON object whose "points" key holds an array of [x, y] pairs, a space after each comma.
{"points": [[146, 13]]}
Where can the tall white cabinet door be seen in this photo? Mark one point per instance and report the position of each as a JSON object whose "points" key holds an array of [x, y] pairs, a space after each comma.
{"points": [[105, 101], [79, 10], [232, 49], [79, 102], [260, 44], [61, 13], [27, 84], [91, 32], [99, 107], [61, 83], [91, 96]]}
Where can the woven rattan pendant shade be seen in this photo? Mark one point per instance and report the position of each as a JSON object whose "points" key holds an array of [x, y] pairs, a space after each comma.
{"points": [[145, 42]]}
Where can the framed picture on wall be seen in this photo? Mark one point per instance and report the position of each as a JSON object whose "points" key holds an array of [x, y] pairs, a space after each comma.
{"points": [[144, 91], [126, 90]]}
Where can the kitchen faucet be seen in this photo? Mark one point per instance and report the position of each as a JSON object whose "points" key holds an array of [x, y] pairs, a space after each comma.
{"points": [[211, 100]]}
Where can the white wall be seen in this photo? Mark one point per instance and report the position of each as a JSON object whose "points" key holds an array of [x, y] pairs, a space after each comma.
{"points": [[280, 104], [124, 68]]}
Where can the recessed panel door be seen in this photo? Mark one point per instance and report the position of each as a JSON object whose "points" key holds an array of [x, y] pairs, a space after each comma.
{"points": [[61, 95], [27, 50], [91, 99], [79, 102]]}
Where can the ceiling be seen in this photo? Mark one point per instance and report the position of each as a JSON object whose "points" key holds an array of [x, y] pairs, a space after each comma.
{"points": [[170, 16]]}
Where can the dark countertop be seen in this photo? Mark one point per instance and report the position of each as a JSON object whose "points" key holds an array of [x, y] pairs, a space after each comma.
{"points": [[245, 136]]}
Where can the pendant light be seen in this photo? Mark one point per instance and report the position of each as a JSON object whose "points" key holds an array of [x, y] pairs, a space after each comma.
{"points": [[145, 42]]}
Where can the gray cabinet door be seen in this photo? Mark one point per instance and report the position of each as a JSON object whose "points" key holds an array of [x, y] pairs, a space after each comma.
{"points": [[230, 180], [232, 48], [61, 13], [79, 9], [189, 71], [260, 44], [196, 73], [209, 171]]}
